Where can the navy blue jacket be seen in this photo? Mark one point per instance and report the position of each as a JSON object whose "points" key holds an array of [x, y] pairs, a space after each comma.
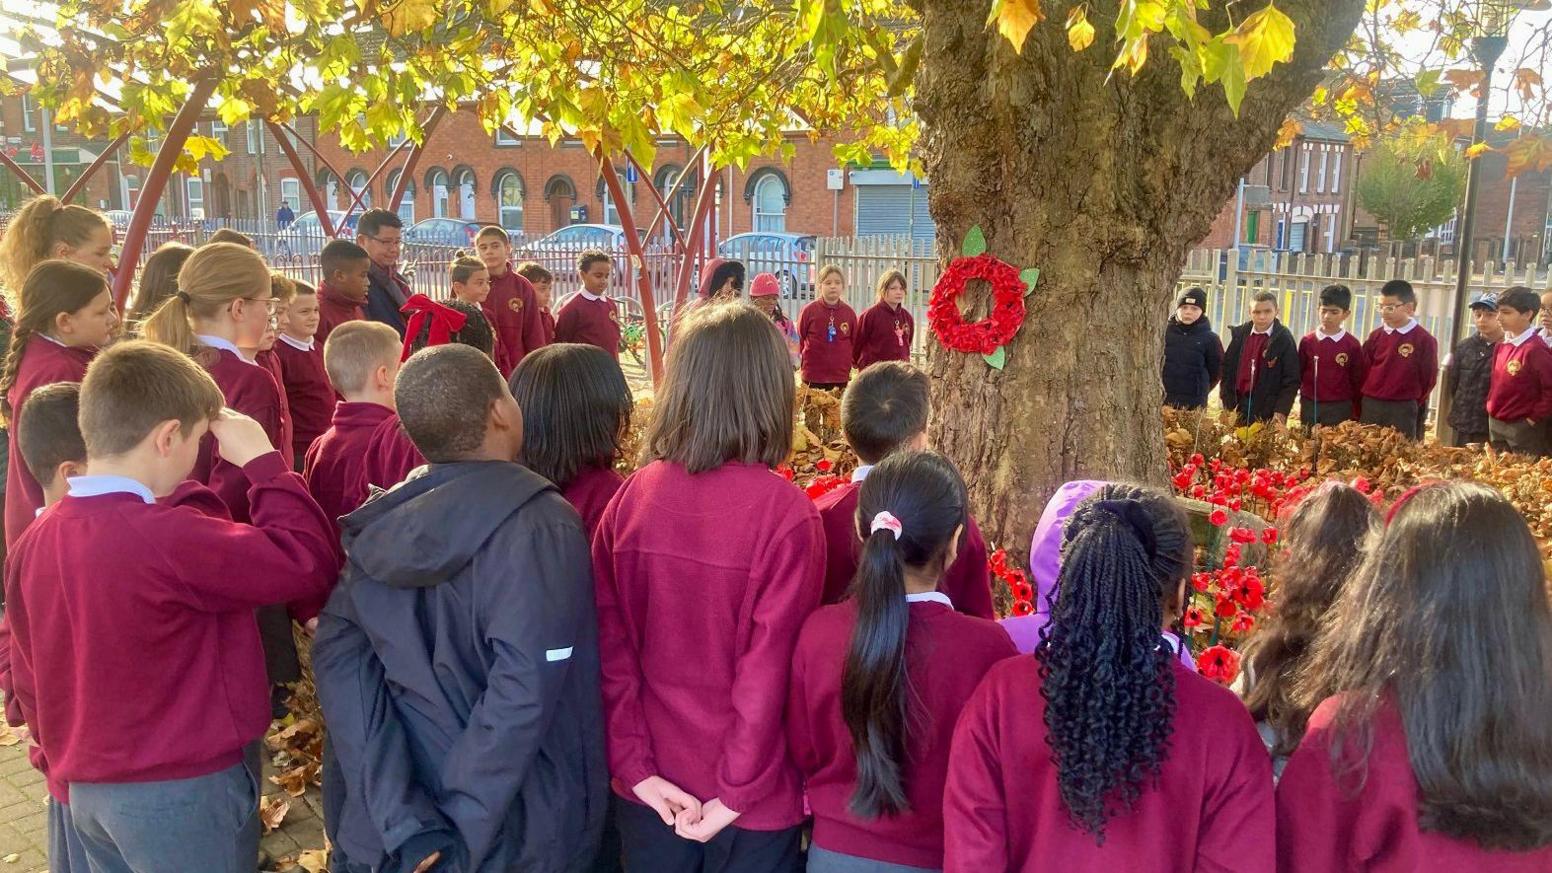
{"points": [[381, 302], [457, 666], [1277, 379], [1193, 360]]}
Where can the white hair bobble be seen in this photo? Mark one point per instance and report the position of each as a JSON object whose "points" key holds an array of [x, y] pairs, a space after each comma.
{"points": [[885, 521]]}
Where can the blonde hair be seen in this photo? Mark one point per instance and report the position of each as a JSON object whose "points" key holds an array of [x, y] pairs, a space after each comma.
{"points": [[889, 278], [159, 279], [283, 288], [464, 265], [214, 276], [355, 349], [827, 270], [53, 288], [41, 223]]}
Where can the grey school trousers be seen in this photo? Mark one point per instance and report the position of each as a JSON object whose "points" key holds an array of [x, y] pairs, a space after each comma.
{"points": [[1399, 414], [1517, 436], [206, 824]]}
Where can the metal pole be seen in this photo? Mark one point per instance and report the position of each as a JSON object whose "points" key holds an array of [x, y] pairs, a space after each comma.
{"points": [[1486, 50], [1514, 185], [1239, 214], [79, 184], [48, 149]]}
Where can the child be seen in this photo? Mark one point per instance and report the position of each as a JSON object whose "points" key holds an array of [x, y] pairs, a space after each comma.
{"points": [[345, 267], [464, 629], [1324, 537], [471, 284], [1331, 361], [1261, 366], [1469, 372], [1429, 752], [158, 280], [885, 329], [764, 293], [66, 314], [884, 411], [576, 410], [543, 282], [826, 329], [1103, 750], [721, 280], [1546, 318], [706, 563], [45, 228], [309, 395], [362, 360], [162, 635], [1403, 364], [513, 306], [1193, 354], [264, 355], [1519, 400], [879, 681], [589, 317], [390, 453]]}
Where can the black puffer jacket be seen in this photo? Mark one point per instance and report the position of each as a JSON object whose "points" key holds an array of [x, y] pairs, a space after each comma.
{"points": [[1193, 362], [1276, 374]]}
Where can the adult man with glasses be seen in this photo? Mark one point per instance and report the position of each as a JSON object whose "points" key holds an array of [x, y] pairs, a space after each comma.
{"points": [[381, 233]]}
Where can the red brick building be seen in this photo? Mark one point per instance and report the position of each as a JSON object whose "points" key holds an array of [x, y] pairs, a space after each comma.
{"points": [[1295, 199], [28, 137]]}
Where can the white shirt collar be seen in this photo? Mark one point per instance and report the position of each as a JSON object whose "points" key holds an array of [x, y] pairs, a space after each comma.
{"points": [[930, 596], [96, 486], [1335, 337], [217, 342], [861, 472], [1521, 339], [1545, 337], [1173, 641], [1403, 329], [1254, 332], [296, 343], [587, 296], [54, 340]]}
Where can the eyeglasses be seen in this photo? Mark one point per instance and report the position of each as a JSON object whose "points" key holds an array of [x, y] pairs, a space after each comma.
{"points": [[387, 241], [1391, 307], [271, 305]]}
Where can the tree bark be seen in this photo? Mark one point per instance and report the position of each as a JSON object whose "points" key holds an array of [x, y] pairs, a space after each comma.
{"points": [[1103, 185]]}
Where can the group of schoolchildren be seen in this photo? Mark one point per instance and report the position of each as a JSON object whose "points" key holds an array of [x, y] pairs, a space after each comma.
{"points": [[529, 663], [1500, 377]]}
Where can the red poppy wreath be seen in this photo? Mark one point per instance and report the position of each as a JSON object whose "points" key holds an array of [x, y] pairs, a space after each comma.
{"points": [[989, 336]]}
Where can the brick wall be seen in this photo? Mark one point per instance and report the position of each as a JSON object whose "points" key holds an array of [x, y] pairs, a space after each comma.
{"points": [[1300, 192]]}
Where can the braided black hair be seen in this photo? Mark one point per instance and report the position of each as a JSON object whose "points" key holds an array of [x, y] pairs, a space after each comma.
{"points": [[1106, 674]]}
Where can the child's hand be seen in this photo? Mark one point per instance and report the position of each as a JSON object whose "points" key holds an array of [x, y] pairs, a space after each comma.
{"points": [[667, 799], [713, 818], [311, 627], [240, 438], [431, 861]]}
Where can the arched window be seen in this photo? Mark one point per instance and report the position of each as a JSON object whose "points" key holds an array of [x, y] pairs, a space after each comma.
{"points": [[330, 185], [356, 180], [768, 196], [463, 181], [509, 200], [610, 213], [680, 204], [561, 194], [407, 202], [437, 183]]}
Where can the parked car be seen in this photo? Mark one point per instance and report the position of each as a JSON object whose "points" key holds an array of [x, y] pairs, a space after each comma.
{"points": [[455, 232], [305, 236], [576, 237], [790, 256]]}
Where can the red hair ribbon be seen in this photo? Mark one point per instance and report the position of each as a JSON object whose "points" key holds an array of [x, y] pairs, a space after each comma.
{"points": [[445, 321]]}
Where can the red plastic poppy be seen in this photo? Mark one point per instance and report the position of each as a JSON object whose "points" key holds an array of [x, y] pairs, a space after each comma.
{"points": [[987, 335], [1023, 607], [1219, 518], [1218, 663]]}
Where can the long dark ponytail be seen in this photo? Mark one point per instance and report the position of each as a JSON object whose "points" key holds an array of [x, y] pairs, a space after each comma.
{"points": [[1106, 673], [926, 495]]}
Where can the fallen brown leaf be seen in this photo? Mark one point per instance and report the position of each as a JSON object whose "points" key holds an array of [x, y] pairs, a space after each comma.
{"points": [[272, 810], [313, 861]]}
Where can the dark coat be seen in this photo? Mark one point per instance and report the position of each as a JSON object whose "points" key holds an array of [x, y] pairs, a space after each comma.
{"points": [[1469, 374], [382, 304], [457, 665], [1193, 362], [1277, 374]]}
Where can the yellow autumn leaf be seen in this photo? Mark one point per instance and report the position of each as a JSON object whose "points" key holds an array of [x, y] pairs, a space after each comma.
{"points": [[1080, 33], [1476, 150], [1265, 38], [1285, 134], [1015, 19], [1508, 122], [410, 16]]}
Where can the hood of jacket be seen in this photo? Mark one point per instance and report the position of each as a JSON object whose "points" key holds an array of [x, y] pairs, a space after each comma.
{"points": [[423, 531], [714, 273], [1201, 325]]}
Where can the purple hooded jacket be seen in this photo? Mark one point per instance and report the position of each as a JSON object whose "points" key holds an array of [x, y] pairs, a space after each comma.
{"points": [[1045, 561]]}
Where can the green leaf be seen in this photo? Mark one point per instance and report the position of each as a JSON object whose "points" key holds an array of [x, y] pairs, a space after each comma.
{"points": [[1031, 276], [997, 358], [975, 242], [1221, 62]]}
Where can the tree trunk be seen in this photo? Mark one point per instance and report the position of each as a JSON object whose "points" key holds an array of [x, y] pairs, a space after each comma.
{"points": [[1104, 186]]}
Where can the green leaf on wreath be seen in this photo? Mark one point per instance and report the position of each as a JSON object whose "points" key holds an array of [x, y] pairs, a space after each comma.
{"points": [[975, 242], [1030, 275], [997, 358]]}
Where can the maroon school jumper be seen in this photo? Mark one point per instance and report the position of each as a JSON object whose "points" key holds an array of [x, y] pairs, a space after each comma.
{"points": [[1212, 809], [44, 362], [1341, 368], [589, 321], [157, 631], [703, 583], [251, 390], [1401, 366], [826, 359], [968, 582], [336, 463], [334, 309], [309, 395], [1328, 825], [513, 311], [270, 360], [883, 334], [946, 655], [1522, 381], [548, 322], [390, 455], [590, 491]]}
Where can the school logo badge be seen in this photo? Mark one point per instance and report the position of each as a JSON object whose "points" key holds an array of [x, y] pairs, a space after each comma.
{"points": [[1514, 367], [1342, 359], [1405, 350], [515, 304], [845, 328]]}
